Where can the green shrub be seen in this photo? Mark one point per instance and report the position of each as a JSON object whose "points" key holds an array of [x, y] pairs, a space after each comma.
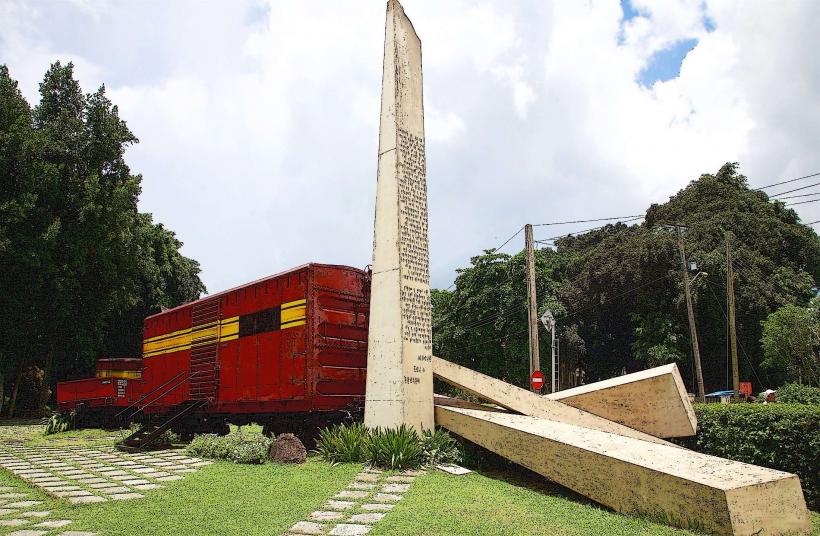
{"points": [[438, 447], [780, 436], [343, 443], [794, 393], [60, 422], [166, 440], [394, 448], [239, 448], [397, 448]]}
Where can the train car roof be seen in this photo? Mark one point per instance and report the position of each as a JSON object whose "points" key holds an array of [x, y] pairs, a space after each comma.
{"points": [[254, 282]]}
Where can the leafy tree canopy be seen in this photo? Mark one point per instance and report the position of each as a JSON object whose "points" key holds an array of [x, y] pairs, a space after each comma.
{"points": [[82, 267]]}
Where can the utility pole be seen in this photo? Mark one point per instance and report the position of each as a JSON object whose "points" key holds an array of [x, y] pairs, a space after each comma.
{"points": [[693, 332], [532, 309], [730, 289]]}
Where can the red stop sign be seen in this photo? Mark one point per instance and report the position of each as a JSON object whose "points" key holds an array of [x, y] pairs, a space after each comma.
{"points": [[537, 380]]}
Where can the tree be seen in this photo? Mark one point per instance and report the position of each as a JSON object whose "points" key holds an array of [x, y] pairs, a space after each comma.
{"points": [[791, 344], [482, 324], [81, 266], [619, 292]]}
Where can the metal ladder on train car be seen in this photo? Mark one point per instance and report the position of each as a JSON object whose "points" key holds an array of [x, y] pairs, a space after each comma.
{"points": [[205, 331], [149, 433]]}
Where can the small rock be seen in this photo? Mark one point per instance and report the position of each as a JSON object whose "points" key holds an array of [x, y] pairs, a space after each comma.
{"points": [[287, 448]]}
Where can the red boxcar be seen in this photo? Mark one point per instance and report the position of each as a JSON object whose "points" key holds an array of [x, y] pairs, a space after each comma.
{"points": [[288, 351]]}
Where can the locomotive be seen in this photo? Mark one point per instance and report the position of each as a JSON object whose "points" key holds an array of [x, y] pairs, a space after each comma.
{"points": [[288, 351]]}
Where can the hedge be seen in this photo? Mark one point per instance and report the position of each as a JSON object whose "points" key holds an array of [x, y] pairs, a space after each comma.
{"points": [[779, 436]]}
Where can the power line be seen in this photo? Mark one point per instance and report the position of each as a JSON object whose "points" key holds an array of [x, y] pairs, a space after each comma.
{"points": [[508, 240], [586, 221], [803, 202], [812, 222], [588, 230], [796, 189], [740, 340], [799, 195], [788, 181]]}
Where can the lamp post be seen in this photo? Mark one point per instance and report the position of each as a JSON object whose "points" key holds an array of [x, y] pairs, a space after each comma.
{"points": [[548, 319]]}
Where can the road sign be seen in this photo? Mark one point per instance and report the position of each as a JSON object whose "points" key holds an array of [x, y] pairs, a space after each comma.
{"points": [[537, 380]]}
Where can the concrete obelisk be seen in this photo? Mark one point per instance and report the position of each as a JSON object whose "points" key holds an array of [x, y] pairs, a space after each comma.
{"points": [[399, 355]]}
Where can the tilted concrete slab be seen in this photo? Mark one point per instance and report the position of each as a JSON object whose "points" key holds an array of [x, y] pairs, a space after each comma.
{"points": [[526, 402], [652, 401], [678, 486], [442, 400]]}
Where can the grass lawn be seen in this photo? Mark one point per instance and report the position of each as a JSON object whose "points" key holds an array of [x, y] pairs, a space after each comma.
{"points": [[229, 499], [221, 499], [440, 504]]}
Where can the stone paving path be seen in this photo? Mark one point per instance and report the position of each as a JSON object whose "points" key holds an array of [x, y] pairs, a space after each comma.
{"points": [[26, 517], [354, 510], [87, 475]]}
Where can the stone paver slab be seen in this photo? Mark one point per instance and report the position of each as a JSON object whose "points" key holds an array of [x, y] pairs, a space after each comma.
{"points": [[169, 478], [54, 524], [147, 486], [6, 511], [23, 504], [13, 522], [339, 505], [134, 481], [77, 533], [351, 494], [381, 507], [127, 496], [368, 477], [307, 527], [348, 529], [371, 517], [361, 485], [395, 488], [75, 493], [44, 513], [12, 495], [111, 490], [400, 478], [323, 515], [386, 497], [27, 532], [86, 500]]}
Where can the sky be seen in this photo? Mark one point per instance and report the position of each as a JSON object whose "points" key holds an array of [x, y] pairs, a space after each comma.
{"points": [[258, 120]]}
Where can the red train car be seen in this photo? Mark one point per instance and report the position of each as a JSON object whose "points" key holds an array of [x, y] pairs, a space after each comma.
{"points": [[288, 351]]}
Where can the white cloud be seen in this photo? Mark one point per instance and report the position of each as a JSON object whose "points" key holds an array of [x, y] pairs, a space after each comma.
{"points": [[258, 120]]}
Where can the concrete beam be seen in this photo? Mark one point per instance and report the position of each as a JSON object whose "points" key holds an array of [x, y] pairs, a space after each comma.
{"points": [[526, 402], [652, 401], [678, 486]]}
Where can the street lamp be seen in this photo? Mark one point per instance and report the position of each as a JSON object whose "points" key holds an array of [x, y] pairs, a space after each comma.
{"points": [[548, 319]]}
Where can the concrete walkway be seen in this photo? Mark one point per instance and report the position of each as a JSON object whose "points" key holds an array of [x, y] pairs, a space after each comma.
{"points": [[87, 475], [354, 510]]}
